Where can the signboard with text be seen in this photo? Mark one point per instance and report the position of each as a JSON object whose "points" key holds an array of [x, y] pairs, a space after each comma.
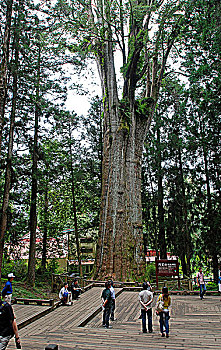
{"points": [[167, 268]]}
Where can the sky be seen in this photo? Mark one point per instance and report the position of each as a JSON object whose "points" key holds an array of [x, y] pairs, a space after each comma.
{"points": [[78, 101]]}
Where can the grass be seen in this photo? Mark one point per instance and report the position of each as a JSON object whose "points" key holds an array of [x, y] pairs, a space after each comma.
{"points": [[42, 290]]}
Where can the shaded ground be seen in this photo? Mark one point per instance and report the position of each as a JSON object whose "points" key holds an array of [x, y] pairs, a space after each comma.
{"points": [[194, 324]]}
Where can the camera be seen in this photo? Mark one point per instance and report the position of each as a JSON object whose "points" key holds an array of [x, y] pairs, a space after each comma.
{"points": [[18, 344]]}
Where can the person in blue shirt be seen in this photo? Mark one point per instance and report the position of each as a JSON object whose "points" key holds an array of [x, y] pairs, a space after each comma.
{"points": [[219, 282], [7, 290]]}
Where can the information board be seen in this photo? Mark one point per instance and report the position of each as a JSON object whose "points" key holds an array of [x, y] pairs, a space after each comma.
{"points": [[167, 268]]}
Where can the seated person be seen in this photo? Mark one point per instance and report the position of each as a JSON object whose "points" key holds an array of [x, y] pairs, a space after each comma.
{"points": [[75, 289], [65, 296]]}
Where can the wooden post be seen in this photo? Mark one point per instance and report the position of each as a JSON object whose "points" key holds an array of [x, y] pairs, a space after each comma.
{"points": [[51, 347]]}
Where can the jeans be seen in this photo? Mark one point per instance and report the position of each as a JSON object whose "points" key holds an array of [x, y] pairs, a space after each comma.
{"points": [[164, 321], [202, 290], [149, 315], [75, 293], [4, 342], [106, 316], [112, 309]]}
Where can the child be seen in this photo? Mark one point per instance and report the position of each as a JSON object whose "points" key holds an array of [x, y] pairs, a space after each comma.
{"points": [[164, 314]]}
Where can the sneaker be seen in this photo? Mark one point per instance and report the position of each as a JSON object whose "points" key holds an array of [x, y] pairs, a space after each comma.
{"points": [[108, 327], [167, 335], [151, 331], [144, 331], [162, 335]]}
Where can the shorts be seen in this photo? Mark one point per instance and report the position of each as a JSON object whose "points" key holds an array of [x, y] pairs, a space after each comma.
{"points": [[4, 342]]}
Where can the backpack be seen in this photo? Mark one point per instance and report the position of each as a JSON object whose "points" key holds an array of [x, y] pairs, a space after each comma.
{"points": [[1, 307], [160, 305]]}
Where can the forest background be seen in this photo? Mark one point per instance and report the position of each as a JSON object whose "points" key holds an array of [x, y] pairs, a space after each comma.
{"points": [[51, 158]]}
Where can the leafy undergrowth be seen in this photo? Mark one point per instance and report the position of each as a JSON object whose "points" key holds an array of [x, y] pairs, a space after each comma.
{"points": [[42, 290]]}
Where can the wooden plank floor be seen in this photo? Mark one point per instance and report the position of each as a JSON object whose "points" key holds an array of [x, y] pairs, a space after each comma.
{"points": [[194, 324], [25, 312]]}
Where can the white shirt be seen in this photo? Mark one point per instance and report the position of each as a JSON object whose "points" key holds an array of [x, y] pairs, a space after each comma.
{"points": [[62, 292], [112, 292], [144, 297]]}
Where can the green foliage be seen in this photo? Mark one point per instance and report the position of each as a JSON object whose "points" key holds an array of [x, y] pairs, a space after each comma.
{"points": [[151, 272], [19, 269], [211, 286], [40, 291], [125, 115], [143, 107]]}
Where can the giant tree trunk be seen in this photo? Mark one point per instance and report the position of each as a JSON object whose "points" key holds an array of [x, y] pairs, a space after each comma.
{"points": [[120, 252], [120, 247]]}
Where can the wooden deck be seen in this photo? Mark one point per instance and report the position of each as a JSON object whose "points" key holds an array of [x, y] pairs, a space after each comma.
{"points": [[194, 324], [23, 313]]}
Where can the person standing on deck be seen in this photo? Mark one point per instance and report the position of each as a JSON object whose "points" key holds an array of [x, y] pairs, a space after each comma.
{"points": [[7, 290], [113, 298], [106, 304], [201, 282], [164, 313], [146, 299], [8, 326]]}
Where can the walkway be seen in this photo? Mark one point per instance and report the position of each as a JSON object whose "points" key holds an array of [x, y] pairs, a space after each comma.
{"points": [[195, 324]]}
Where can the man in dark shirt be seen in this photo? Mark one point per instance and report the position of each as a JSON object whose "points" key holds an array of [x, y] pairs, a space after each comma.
{"points": [[106, 298], [75, 289], [8, 326]]}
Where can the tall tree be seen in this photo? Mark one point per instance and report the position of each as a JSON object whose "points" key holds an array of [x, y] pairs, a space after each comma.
{"points": [[34, 187], [126, 120], [7, 186], [4, 65]]}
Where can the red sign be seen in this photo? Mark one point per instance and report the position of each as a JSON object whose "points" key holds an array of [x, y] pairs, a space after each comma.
{"points": [[167, 268]]}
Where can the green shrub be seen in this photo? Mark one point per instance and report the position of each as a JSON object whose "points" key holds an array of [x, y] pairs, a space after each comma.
{"points": [[151, 272], [19, 268], [211, 286]]}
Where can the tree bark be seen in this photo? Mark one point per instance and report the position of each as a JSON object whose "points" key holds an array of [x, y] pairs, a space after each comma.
{"points": [[161, 236], [120, 252], [120, 245], [34, 189], [4, 66], [185, 226], [77, 238], [7, 186], [45, 234], [211, 237]]}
